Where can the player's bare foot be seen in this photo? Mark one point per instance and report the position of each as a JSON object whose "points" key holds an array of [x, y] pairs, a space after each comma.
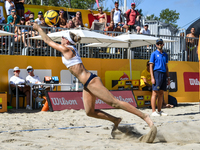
{"points": [[150, 137], [117, 122], [148, 120]]}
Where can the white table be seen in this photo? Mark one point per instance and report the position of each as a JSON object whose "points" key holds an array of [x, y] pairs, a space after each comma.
{"points": [[44, 84]]}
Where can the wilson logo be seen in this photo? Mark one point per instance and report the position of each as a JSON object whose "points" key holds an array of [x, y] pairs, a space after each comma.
{"points": [[63, 101], [128, 100], [194, 81]]}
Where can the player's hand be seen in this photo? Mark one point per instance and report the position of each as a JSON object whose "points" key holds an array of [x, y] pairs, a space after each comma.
{"points": [[153, 81], [36, 26], [168, 81]]}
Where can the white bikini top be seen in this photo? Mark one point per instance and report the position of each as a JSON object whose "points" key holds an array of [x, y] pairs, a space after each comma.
{"points": [[74, 60]]}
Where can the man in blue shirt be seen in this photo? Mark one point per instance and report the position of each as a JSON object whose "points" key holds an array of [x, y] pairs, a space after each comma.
{"points": [[159, 74]]}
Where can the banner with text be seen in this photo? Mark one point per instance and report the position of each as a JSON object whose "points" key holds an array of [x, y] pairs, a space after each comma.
{"points": [[61, 100]]}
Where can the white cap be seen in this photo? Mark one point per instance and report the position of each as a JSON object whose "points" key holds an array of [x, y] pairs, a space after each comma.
{"points": [[29, 67], [16, 68]]}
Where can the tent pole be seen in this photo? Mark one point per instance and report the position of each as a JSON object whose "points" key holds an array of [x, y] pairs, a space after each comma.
{"points": [[129, 49]]}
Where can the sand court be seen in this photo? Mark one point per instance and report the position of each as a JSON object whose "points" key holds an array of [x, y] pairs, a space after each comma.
{"points": [[72, 129]]}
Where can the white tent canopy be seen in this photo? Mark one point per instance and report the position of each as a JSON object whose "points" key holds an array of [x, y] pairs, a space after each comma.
{"points": [[135, 40], [132, 40], [86, 36], [4, 33]]}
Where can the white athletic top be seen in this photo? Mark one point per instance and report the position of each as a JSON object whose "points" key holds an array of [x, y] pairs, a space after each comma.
{"points": [[8, 7], [38, 21], [74, 60], [17, 80], [33, 79], [143, 31], [116, 16]]}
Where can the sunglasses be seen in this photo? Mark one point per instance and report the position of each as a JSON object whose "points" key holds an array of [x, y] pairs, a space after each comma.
{"points": [[61, 11], [13, 11], [159, 43], [147, 64], [17, 71], [30, 70]]}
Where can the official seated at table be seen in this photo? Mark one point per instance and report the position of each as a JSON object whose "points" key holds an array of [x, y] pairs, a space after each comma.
{"points": [[16, 79], [32, 78]]}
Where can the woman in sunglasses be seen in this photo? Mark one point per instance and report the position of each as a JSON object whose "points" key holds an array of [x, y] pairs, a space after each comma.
{"points": [[93, 86], [22, 88], [78, 19]]}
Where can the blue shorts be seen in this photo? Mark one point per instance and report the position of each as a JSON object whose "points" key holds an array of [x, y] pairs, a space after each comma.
{"points": [[161, 81], [90, 78]]}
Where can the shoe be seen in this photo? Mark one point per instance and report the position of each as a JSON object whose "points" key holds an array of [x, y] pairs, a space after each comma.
{"points": [[37, 99], [28, 107], [155, 113], [162, 113]]}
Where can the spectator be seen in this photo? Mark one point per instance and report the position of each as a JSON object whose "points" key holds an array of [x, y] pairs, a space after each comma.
{"points": [[191, 44], [78, 19], [31, 19], [19, 4], [40, 19], [110, 28], [22, 88], [101, 16], [9, 5], [118, 27], [12, 19], [2, 20], [62, 19], [159, 75], [132, 15], [145, 80], [138, 28], [115, 14], [145, 30], [70, 24], [21, 33]]}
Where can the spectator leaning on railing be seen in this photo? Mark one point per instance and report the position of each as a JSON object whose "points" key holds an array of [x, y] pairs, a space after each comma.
{"points": [[70, 24], [12, 19], [40, 19], [132, 15], [78, 19], [62, 19]]}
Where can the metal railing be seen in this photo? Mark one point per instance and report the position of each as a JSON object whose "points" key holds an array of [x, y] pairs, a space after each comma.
{"points": [[183, 49]]}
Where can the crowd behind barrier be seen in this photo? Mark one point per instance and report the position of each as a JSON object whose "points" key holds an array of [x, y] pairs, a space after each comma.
{"points": [[177, 50]]}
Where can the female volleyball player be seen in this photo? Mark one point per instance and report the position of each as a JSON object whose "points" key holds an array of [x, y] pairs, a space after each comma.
{"points": [[93, 86]]}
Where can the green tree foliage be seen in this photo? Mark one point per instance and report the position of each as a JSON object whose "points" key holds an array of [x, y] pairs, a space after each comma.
{"points": [[166, 16], [169, 16], [77, 4]]}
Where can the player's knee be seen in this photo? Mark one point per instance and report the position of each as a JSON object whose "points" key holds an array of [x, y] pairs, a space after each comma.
{"points": [[90, 113]]}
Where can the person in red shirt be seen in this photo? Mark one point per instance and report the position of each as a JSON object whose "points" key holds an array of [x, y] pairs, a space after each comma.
{"points": [[131, 16]]}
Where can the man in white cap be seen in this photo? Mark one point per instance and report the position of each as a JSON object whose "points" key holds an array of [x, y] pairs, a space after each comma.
{"points": [[32, 78], [16, 79]]}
